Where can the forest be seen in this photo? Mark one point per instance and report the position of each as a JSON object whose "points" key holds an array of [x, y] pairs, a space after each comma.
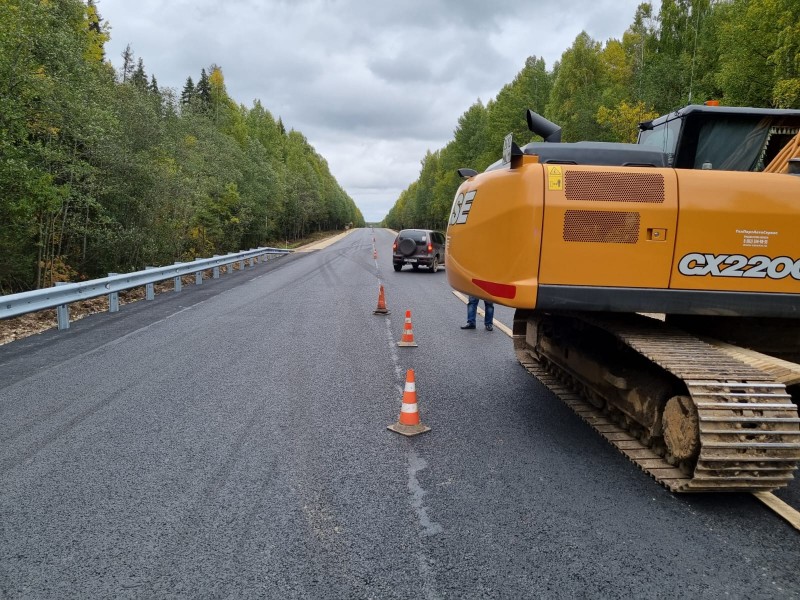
{"points": [[738, 52], [103, 171]]}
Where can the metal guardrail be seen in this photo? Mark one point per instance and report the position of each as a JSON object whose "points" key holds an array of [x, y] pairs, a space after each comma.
{"points": [[60, 296]]}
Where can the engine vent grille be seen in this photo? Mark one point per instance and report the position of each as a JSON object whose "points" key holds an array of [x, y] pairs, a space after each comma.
{"points": [[614, 187], [609, 227]]}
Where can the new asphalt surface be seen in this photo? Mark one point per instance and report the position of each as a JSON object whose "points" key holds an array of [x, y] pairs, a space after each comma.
{"points": [[230, 441]]}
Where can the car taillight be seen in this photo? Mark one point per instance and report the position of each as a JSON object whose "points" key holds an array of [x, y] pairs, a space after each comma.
{"points": [[394, 246], [430, 248]]}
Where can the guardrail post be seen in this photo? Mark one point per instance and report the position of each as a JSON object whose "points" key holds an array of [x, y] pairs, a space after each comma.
{"points": [[113, 298], [215, 270], [198, 278], [62, 312], [178, 282], [241, 265], [150, 290]]}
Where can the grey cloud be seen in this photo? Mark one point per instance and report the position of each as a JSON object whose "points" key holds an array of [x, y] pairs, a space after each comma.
{"points": [[401, 70], [372, 85]]}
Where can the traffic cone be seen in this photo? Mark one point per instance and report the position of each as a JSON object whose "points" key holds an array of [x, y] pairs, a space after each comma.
{"points": [[381, 310], [375, 254], [408, 333], [408, 423]]}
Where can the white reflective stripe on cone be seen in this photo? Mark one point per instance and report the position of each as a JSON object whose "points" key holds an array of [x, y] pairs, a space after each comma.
{"points": [[411, 386], [408, 408]]}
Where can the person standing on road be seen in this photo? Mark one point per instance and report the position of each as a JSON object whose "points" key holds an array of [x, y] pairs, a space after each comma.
{"points": [[472, 311]]}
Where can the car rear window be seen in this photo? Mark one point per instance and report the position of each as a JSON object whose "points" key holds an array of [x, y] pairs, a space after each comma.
{"points": [[417, 236]]}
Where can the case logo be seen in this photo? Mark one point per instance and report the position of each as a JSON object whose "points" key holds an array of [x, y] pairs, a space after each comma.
{"points": [[737, 265], [461, 207]]}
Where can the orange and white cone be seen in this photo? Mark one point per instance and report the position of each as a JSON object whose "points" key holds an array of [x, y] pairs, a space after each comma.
{"points": [[408, 423], [381, 310], [407, 338], [375, 254]]}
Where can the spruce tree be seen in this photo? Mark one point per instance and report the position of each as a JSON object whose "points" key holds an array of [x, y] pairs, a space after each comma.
{"points": [[127, 63], [203, 90], [188, 92], [139, 77]]}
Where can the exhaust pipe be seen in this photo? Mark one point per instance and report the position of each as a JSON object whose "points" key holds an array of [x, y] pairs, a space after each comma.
{"points": [[541, 126]]}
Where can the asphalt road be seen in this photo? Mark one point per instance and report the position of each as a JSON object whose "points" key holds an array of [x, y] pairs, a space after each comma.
{"points": [[230, 441]]}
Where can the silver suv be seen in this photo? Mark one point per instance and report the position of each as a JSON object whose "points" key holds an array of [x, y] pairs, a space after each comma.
{"points": [[417, 247]]}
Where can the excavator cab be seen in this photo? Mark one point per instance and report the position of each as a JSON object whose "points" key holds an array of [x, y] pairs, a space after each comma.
{"points": [[721, 138]]}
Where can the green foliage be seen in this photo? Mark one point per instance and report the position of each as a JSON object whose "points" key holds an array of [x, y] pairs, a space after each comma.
{"points": [[760, 53], [577, 90], [104, 172], [740, 52], [622, 120]]}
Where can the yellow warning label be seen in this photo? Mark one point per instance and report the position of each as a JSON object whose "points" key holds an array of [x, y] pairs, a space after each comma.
{"points": [[555, 179]]}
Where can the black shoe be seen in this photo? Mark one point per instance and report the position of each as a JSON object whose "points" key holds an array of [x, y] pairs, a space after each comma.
{"points": [[489, 327], [468, 326]]}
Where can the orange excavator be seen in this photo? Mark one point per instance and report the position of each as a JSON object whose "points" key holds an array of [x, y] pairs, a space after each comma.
{"points": [[658, 281]]}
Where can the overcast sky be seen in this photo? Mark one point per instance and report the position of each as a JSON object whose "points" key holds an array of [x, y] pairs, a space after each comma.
{"points": [[372, 84]]}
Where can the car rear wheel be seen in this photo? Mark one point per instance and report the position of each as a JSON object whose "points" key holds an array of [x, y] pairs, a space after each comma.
{"points": [[435, 264], [397, 267]]}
